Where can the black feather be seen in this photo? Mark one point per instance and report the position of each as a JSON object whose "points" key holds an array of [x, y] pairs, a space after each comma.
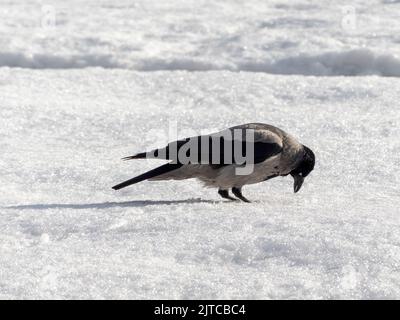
{"points": [[200, 153], [148, 175], [141, 155]]}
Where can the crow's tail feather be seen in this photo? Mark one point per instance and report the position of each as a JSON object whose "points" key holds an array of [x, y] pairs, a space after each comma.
{"points": [[148, 175], [141, 155]]}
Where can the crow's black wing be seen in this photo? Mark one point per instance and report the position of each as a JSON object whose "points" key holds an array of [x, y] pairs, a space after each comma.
{"points": [[219, 149]]}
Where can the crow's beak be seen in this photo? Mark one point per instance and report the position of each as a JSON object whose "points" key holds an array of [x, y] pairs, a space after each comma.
{"points": [[298, 182]]}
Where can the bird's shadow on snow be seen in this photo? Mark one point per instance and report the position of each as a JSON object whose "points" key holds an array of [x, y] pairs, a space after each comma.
{"points": [[105, 205]]}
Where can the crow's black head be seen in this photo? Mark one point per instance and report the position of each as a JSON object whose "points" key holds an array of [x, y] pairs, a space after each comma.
{"points": [[306, 165], [303, 169]]}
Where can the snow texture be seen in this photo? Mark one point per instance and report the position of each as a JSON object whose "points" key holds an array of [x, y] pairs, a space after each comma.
{"points": [[78, 96], [296, 37]]}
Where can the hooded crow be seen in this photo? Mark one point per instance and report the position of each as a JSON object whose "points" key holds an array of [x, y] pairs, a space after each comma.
{"points": [[230, 159]]}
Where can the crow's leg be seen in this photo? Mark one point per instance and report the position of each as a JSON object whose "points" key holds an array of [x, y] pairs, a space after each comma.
{"points": [[225, 194], [238, 193]]}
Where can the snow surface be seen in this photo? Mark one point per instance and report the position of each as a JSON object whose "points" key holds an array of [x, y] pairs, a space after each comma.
{"points": [[292, 37], [76, 98]]}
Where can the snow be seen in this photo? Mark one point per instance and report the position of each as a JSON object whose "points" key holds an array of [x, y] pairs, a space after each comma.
{"points": [[76, 98], [296, 37]]}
